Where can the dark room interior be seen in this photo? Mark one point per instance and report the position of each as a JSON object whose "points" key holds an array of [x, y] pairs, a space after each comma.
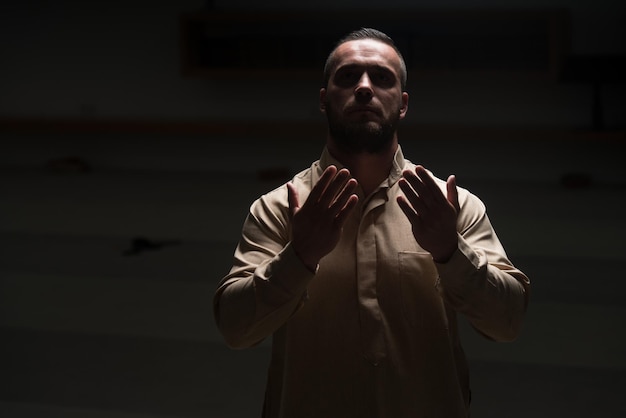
{"points": [[135, 136]]}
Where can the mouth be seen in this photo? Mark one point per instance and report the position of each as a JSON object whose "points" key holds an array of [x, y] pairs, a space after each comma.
{"points": [[364, 109]]}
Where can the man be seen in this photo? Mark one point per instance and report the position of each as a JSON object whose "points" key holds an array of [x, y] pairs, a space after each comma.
{"points": [[359, 266]]}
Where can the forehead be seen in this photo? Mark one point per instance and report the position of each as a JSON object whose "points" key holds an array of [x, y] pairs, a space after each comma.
{"points": [[367, 52]]}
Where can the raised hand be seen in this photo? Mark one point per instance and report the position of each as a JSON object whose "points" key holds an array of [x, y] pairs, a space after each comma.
{"points": [[432, 215], [317, 224]]}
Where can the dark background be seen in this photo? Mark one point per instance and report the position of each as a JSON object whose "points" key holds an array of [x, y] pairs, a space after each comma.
{"points": [[125, 178]]}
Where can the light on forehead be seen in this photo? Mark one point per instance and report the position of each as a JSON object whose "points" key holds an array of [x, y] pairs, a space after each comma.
{"points": [[367, 45], [332, 61], [362, 51]]}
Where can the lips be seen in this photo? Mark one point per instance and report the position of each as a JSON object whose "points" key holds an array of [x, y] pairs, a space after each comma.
{"points": [[363, 109]]}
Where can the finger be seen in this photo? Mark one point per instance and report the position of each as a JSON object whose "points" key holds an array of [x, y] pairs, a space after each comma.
{"points": [[349, 206], [322, 183], [342, 199], [336, 185], [412, 196], [421, 190], [453, 193], [429, 182], [292, 197], [408, 211]]}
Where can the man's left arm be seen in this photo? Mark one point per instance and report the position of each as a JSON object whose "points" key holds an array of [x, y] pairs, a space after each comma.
{"points": [[480, 282], [475, 276]]}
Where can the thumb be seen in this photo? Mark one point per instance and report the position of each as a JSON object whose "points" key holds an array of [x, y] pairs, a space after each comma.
{"points": [[292, 196], [453, 195]]}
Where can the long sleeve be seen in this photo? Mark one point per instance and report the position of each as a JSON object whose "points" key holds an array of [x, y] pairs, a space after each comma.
{"points": [[373, 331], [267, 282], [480, 282]]}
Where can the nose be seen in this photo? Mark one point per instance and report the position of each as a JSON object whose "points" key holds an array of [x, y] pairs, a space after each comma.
{"points": [[363, 89]]}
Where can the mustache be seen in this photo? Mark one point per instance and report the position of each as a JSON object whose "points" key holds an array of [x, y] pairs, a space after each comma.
{"points": [[357, 108]]}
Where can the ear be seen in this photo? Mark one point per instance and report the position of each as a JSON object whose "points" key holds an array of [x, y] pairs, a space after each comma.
{"points": [[323, 100], [405, 105]]}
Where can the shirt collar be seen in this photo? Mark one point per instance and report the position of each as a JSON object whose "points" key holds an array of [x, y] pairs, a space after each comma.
{"points": [[397, 167]]}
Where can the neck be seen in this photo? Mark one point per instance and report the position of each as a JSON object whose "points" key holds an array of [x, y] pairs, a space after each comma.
{"points": [[369, 169]]}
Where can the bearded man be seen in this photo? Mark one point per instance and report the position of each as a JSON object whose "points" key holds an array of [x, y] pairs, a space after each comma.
{"points": [[359, 266]]}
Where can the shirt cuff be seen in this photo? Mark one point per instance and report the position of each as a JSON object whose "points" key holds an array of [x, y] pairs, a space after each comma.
{"points": [[289, 273], [464, 263]]}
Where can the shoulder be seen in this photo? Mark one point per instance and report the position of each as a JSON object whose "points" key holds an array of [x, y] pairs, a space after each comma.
{"points": [[277, 200]]}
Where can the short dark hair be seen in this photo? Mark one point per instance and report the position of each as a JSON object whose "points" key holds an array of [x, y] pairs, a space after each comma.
{"points": [[364, 33]]}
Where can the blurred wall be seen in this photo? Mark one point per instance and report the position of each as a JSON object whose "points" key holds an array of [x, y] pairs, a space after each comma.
{"points": [[102, 59]]}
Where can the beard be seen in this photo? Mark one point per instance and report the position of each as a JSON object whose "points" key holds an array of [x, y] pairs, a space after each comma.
{"points": [[366, 136]]}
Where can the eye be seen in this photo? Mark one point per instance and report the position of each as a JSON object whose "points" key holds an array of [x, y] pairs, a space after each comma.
{"points": [[346, 77], [383, 78]]}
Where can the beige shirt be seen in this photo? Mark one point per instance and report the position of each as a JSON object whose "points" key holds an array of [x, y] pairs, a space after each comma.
{"points": [[373, 332]]}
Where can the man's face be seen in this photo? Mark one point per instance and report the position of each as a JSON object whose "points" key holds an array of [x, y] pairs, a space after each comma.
{"points": [[364, 99]]}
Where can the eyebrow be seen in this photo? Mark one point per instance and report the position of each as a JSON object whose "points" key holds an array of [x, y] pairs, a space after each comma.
{"points": [[374, 66]]}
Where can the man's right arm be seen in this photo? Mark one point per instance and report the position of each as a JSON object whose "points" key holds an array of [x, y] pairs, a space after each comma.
{"points": [[267, 282], [281, 244]]}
